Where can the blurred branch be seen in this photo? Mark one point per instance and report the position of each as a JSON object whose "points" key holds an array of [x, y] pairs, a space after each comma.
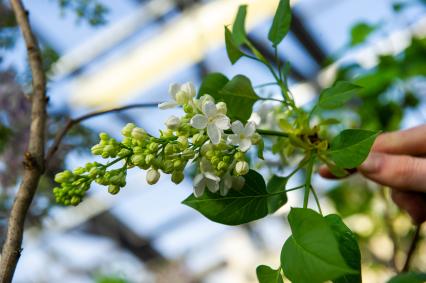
{"points": [[72, 122], [412, 248], [34, 156]]}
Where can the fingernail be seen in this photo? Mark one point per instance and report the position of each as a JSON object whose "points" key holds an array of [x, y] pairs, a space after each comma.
{"points": [[372, 163]]}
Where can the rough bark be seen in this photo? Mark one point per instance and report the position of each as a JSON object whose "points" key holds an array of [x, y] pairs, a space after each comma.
{"points": [[34, 156]]}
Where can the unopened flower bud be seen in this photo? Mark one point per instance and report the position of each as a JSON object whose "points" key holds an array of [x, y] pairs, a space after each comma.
{"points": [[139, 134], [103, 136], [221, 108], [153, 147], [205, 148], [168, 149], [97, 149], [168, 166], [127, 130], [209, 154], [198, 139], [177, 177], [188, 108], [222, 165], [63, 177], [242, 167], [149, 159], [113, 189], [215, 160], [172, 123], [177, 164], [188, 153], [79, 170], [239, 155], [152, 176], [183, 141], [75, 200], [137, 159]]}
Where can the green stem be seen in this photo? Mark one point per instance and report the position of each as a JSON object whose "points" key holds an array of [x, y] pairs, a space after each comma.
{"points": [[265, 84], [116, 160], [308, 181], [273, 99], [316, 199], [295, 188], [272, 133]]}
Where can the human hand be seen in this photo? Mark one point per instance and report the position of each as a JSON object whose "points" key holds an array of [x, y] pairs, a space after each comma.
{"points": [[396, 161]]}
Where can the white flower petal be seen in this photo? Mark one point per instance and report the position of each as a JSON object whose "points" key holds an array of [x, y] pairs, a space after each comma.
{"points": [[211, 176], [245, 144], [234, 139], [173, 89], [221, 121], [209, 108], [199, 121], [199, 190], [189, 89], [249, 129], [197, 179], [213, 186], [255, 118], [214, 133], [167, 105], [223, 189], [237, 127]]}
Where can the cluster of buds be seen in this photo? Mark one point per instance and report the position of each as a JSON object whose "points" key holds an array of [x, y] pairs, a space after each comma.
{"points": [[198, 136]]}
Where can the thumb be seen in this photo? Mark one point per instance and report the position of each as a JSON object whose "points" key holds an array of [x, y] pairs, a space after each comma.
{"points": [[396, 171]]}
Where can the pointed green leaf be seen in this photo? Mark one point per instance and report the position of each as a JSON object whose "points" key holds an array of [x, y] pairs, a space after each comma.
{"points": [[239, 96], [281, 23], [232, 49], [238, 28], [276, 184], [409, 277], [348, 247], [337, 95], [351, 147], [312, 253], [212, 84], [237, 207], [266, 274], [360, 32]]}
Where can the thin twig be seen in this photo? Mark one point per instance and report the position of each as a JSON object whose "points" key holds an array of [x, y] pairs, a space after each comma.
{"points": [[412, 248], [33, 157], [72, 122]]}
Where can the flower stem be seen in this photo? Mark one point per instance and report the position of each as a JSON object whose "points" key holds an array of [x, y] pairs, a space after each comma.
{"points": [[272, 133], [316, 199], [308, 182]]}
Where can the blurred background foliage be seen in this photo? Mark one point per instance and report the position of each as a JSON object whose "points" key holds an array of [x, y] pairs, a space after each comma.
{"points": [[393, 89]]}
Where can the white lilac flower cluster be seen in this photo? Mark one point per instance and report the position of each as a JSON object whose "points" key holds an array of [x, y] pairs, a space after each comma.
{"points": [[198, 136], [221, 156]]}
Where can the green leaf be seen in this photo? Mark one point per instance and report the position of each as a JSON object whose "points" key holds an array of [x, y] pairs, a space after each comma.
{"points": [[351, 147], [409, 277], [360, 32], [348, 247], [275, 185], [266, 274], [212, 84], [238, 28], [337, 95], [281, 23], [312, 253], [232, 49], [238, 207], [239, 96]]}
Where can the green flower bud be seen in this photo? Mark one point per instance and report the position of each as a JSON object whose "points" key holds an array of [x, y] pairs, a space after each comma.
{"points": [[183, 141], [97, 149], [198, 139], [168, 166], [152, 176], [149, 159], [139, 134], [94, 172], [137, 159], [222, 165], [177, 177], [79, 170], [209, 154], [172, 123], [63, 177], [109, 149], [124, 152], [75, 200], [206, 148], [103, 136], [169, 149], [242, 167], [215, 160], [239, 156], [153, 147], [127, 141], [177, 164], [113, 189], [138, 149], [127, 130], [226, 159], [188, 108]]}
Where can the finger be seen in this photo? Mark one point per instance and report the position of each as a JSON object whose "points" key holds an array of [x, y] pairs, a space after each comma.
{"points": [[410, 142], [326, 173], [396, 171], [412, 202]]}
